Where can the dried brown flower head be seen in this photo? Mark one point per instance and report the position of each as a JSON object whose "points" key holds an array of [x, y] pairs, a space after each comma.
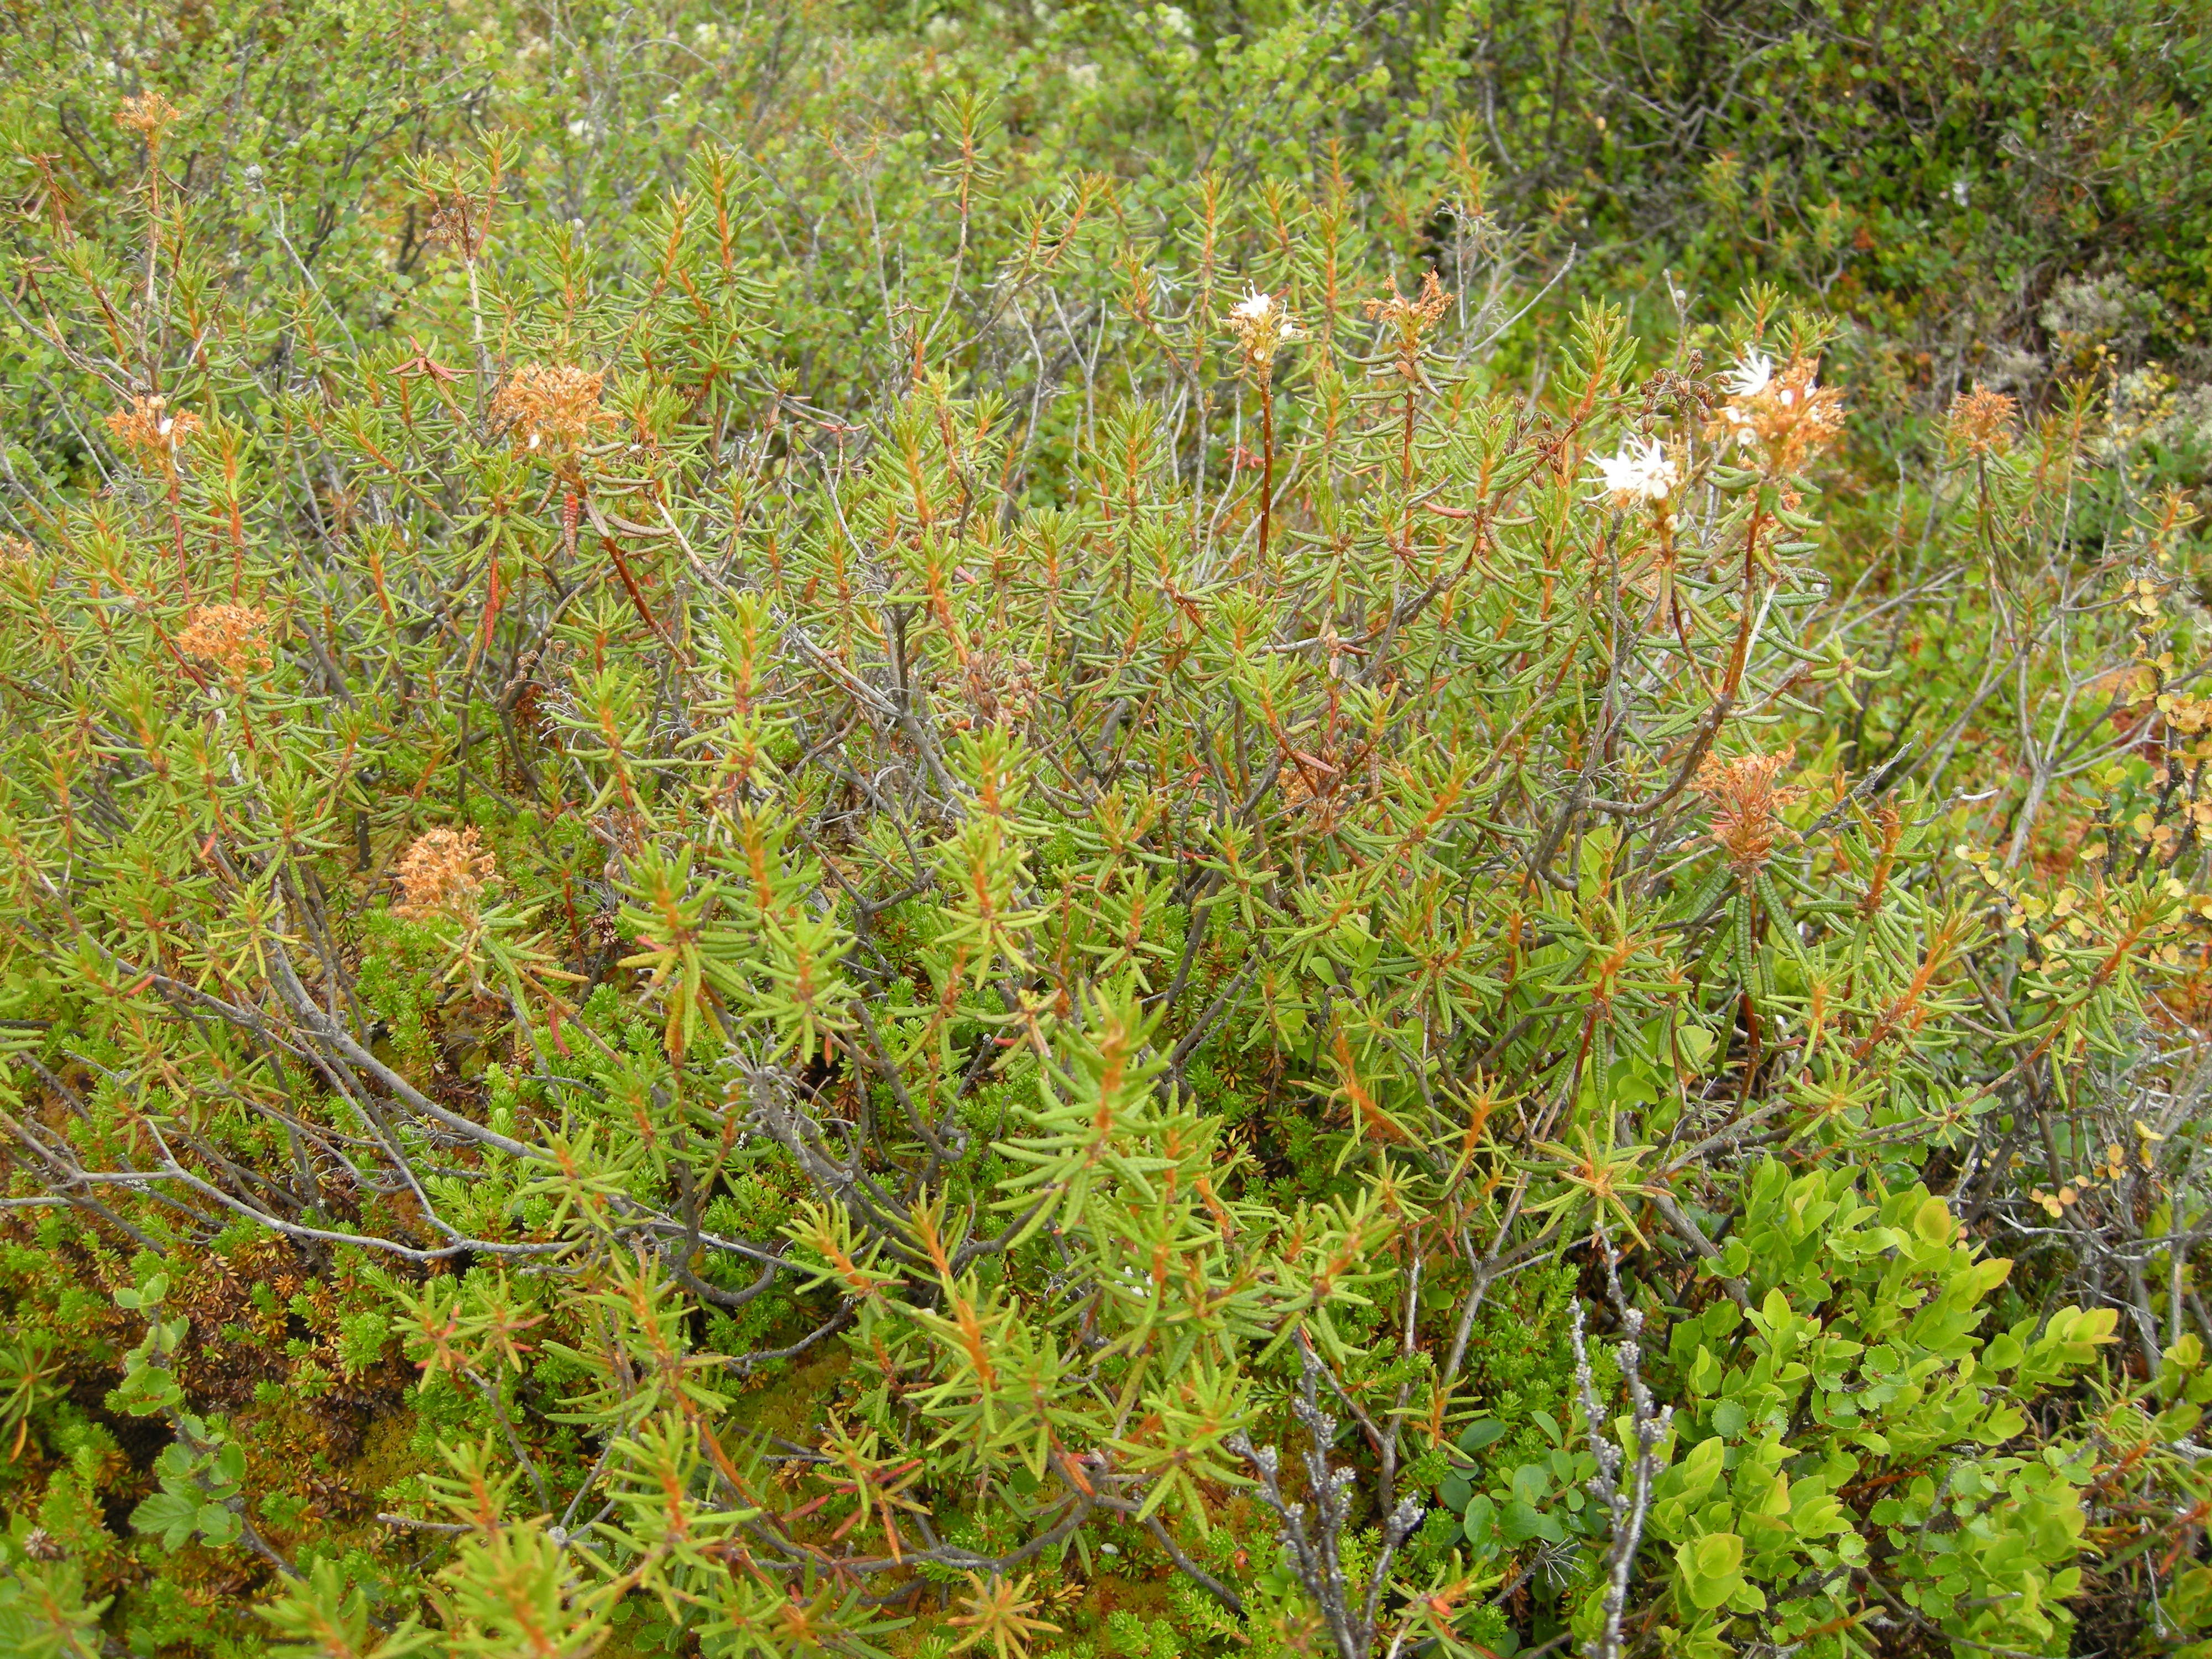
{"points": [[1001, 688], [549, 408], [455, 224], [1413, 317], [146, 115], [15, 554], [1981, 422], [1787, 414], [150, 431], [1746, 803], [234, 637], [442, 872]]}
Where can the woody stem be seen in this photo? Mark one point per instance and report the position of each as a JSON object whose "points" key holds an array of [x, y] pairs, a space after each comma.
{"points": [[1267, 460]]}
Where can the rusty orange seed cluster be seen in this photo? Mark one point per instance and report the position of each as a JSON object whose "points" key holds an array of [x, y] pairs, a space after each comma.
{"points": [[1981, 422], [1417, 314], [549, 408], [151, 430], [1788, 414], [233, 637], [442, 872], [147, 114], [1748, 800]]}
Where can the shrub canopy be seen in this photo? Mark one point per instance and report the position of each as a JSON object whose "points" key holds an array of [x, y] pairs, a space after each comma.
{"points": [[829, 832]]}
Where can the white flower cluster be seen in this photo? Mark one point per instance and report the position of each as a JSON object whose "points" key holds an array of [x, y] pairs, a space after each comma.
{"points": [[1261, 324], [1642, 471], [1260, 310], [1790, 412], [1753, 374]]}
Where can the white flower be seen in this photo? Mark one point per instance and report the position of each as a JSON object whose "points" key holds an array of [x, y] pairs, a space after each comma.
{"points": [[1257, 307], [1262, 323], [1640, 469], [1751, 376]]}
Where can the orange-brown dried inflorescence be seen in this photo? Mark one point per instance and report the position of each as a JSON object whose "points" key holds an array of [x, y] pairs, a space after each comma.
{"points": [[549, 408], [147, 114], [1981, 422], [1788, 414], [1001, 689], [234, 637], [443, 874], [456, 225], [1748, 801], [151, 431], [1412, 317]]}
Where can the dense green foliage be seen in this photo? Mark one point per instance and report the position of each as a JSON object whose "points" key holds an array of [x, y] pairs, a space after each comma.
{"points": [[1298, 829]]}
